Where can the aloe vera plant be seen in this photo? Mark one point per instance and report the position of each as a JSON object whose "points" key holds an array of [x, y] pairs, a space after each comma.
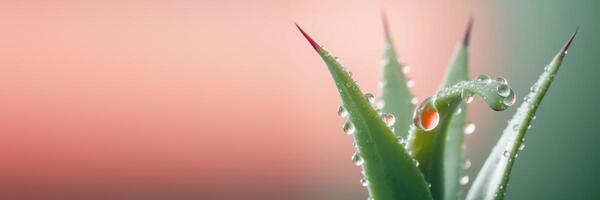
{"points": [[416, 153]]}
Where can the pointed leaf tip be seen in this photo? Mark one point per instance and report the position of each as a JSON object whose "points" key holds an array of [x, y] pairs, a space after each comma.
{"points": [[565, 48], [310, 40], [386, 27], [468, 32]]}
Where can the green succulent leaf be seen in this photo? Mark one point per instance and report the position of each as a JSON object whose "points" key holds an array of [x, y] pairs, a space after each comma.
{"points": [[432, 120], [395, 97], [458, 70], [493, 178], [389, 170]]}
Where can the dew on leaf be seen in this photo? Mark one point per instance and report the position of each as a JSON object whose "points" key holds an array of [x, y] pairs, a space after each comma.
{"points": [[356, 159], [370, 97], [501, 80], [469, 128], [364, 182], [410, 83], [348, 128], [342, 112], [426, 116], [503, 90], [389, 119], [464, 180]]}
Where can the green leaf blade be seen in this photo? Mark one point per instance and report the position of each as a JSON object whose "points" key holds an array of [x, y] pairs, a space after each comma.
{"points": [[389, 169], [458, 70], [493, 178], [395, 96]]}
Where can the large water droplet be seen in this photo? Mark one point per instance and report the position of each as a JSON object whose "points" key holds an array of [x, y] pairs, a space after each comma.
{"points": [[356, 159], [342, 112], [469, 128], [510, 99], [389, 119], [348, 128], [364, 182], [483, 78], [426, 116], [370, 97], [503, 90], [464, 180], [501, 80]]}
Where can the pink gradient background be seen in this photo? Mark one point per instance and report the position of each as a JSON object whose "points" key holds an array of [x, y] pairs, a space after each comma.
{"points": [[200, 99]]}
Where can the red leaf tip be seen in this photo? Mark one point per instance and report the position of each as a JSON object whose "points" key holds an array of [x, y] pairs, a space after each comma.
{"points": [[468, 32], [565, 48], [310, 40]]}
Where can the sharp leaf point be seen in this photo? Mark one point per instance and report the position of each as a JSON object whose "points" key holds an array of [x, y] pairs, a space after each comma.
{"points": [[310, 40], [468, 32]]}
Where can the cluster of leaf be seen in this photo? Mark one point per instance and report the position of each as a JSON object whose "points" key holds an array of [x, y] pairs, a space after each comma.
{"points": [[417, 154]]}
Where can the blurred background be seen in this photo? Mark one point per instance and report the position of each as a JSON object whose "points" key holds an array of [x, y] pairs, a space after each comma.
{"points": [[225, 99]]}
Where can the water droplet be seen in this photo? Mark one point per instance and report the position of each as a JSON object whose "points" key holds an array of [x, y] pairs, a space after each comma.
{"points": [[364, 182], [429, 185], [467, 96], [534, 117], [521, 147], [416, 163], [503, 90], [464, 180], [458, 111], [515, 127], [467, 164], [370, 97], [483, 78], [510, 98], [426, 116], [410, 83], [547, 68], [406, 69], [350, 74], [381, 84], [506, 154], [389, 119], [533, 89], [348, 128], [529, 126], [380, 104], [470, 99], [469, 128], [501, 80], [356, 159], [414, 100], [342, 112], [402, 141]]}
